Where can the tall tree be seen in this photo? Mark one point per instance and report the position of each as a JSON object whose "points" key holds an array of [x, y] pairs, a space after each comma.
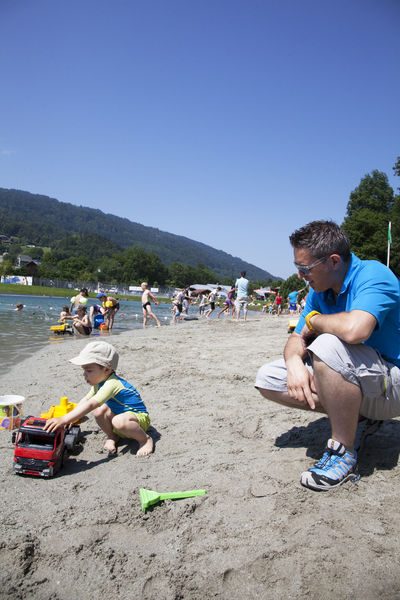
{"points": [[396, 167], [368, 212], [373, 192]]}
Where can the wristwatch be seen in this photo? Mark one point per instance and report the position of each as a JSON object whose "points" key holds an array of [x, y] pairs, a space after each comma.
{"points": [[309, 317]]}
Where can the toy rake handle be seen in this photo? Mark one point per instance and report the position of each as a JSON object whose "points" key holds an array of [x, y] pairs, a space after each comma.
{"points": [[179, 495]]}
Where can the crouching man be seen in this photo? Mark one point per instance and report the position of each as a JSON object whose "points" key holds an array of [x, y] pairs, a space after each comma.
{"points": [[343, 358]]}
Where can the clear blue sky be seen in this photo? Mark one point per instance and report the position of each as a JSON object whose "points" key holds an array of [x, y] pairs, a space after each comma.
{"points": [[231, 122]]}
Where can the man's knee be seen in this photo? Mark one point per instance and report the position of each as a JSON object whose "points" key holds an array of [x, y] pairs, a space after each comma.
{"points": [[325, 340], [271, 377]]}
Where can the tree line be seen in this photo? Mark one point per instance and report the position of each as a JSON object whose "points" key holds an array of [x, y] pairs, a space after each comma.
{"points": [[91, 257]]}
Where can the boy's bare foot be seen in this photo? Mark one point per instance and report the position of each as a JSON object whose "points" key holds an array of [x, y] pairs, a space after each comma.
{"points": [[110, 446], [146, 448]]}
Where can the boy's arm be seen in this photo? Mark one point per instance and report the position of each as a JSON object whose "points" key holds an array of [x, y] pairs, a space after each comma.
{"points": [[92, 400], [84, 407], [153, 297]]}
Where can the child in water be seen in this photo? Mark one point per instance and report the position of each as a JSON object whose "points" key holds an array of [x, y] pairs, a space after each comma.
{"points": [[65, 315], [115, 403], [81, 321]]}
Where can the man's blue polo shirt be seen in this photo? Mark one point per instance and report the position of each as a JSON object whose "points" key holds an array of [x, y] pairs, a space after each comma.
{"points": [[370, 286]]}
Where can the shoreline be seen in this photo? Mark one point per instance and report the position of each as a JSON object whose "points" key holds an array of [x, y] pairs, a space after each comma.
{"points": [[256, 533]]}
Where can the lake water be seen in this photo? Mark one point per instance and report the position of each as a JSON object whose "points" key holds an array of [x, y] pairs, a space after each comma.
{"points": [[24, 332]]}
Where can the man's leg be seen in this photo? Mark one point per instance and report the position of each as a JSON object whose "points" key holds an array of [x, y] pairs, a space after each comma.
{"points": [[341, 401]]}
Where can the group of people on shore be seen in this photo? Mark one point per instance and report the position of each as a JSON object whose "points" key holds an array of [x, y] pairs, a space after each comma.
{"points": [[295, 303], [235, 303], [100, 316]]}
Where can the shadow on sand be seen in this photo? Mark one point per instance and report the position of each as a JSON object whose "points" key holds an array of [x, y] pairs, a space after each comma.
{"points": [[76, 466], [380, 451]]}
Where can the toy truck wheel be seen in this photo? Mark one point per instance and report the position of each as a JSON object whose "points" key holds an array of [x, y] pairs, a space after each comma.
{"points": [[70, 441], [75, 430]]}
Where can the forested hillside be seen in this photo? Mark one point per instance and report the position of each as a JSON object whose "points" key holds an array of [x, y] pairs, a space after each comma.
{"points": [[44, 221]]}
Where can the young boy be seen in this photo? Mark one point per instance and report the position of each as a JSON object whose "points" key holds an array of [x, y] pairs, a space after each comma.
{"points": [[116, 404], [81, 321], [109, 308], [146, 306], [65, 315]]}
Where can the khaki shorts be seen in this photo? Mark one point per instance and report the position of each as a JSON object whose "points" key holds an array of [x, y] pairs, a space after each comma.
{"points": [[378, 379]]}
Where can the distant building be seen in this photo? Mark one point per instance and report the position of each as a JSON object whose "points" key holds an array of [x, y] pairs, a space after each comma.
{"points": [[27, 262], [23, 260]]}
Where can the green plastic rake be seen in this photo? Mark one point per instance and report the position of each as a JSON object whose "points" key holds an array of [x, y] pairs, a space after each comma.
{"points": [[149, 498]]}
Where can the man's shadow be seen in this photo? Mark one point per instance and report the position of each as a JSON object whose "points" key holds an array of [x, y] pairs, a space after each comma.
{"points": [[380, 451]]}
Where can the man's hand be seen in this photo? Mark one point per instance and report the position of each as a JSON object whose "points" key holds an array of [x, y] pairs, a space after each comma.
{"points": [[54, 424], [300, 382]]}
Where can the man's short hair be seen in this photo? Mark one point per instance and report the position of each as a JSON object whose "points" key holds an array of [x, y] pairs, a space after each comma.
{"points": [[322, 238], [242, 273]]}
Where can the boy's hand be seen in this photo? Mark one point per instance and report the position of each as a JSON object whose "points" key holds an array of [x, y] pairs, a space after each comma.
{"points": [[54, 424]]}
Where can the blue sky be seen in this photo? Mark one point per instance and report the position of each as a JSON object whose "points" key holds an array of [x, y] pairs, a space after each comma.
{"points": [[231, 122]]}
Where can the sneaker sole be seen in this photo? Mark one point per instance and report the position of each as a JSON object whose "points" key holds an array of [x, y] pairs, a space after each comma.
{"points": [[309, 482]]}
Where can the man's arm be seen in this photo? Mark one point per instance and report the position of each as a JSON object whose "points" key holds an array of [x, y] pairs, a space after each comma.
{"points": [[352, 327], [299, 379]]}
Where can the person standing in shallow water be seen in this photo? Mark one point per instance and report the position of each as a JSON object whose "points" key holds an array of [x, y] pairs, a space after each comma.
{"points": [[242, 295], [146, 305]]}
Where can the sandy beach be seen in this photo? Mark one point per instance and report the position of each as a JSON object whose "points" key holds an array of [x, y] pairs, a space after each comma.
{"points": [[256, 534]]}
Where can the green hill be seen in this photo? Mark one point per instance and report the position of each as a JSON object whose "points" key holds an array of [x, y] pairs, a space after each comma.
{"points": [[44, 221]]}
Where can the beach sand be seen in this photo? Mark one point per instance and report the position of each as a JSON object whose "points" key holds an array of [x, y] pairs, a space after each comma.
{"points": [[256, 534]]}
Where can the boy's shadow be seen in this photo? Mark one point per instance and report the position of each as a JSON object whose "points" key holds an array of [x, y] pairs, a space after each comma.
{"points": [[381, 450], [76, 466], [126, 445]]}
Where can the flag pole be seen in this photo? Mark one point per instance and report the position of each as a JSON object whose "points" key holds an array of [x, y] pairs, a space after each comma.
{"points": [[389, 238]]}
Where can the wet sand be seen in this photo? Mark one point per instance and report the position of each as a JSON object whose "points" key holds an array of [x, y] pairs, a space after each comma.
{"points": [[256, 534]]}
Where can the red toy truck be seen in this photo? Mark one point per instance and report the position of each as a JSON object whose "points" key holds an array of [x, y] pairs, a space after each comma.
{"points": [[38, 452]]}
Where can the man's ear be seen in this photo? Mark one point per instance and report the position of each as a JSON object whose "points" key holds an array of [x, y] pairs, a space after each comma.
{"points": [[336, 260]]}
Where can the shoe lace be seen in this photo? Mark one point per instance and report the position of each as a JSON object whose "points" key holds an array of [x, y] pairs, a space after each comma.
{"points": [[331, 459], [326, 459]]}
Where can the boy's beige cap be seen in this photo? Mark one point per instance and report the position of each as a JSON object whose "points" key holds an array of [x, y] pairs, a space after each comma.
{"points": [[99, 353]]}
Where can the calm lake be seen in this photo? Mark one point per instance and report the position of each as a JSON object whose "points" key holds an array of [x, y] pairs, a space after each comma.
{"points": [[24, 332]]}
